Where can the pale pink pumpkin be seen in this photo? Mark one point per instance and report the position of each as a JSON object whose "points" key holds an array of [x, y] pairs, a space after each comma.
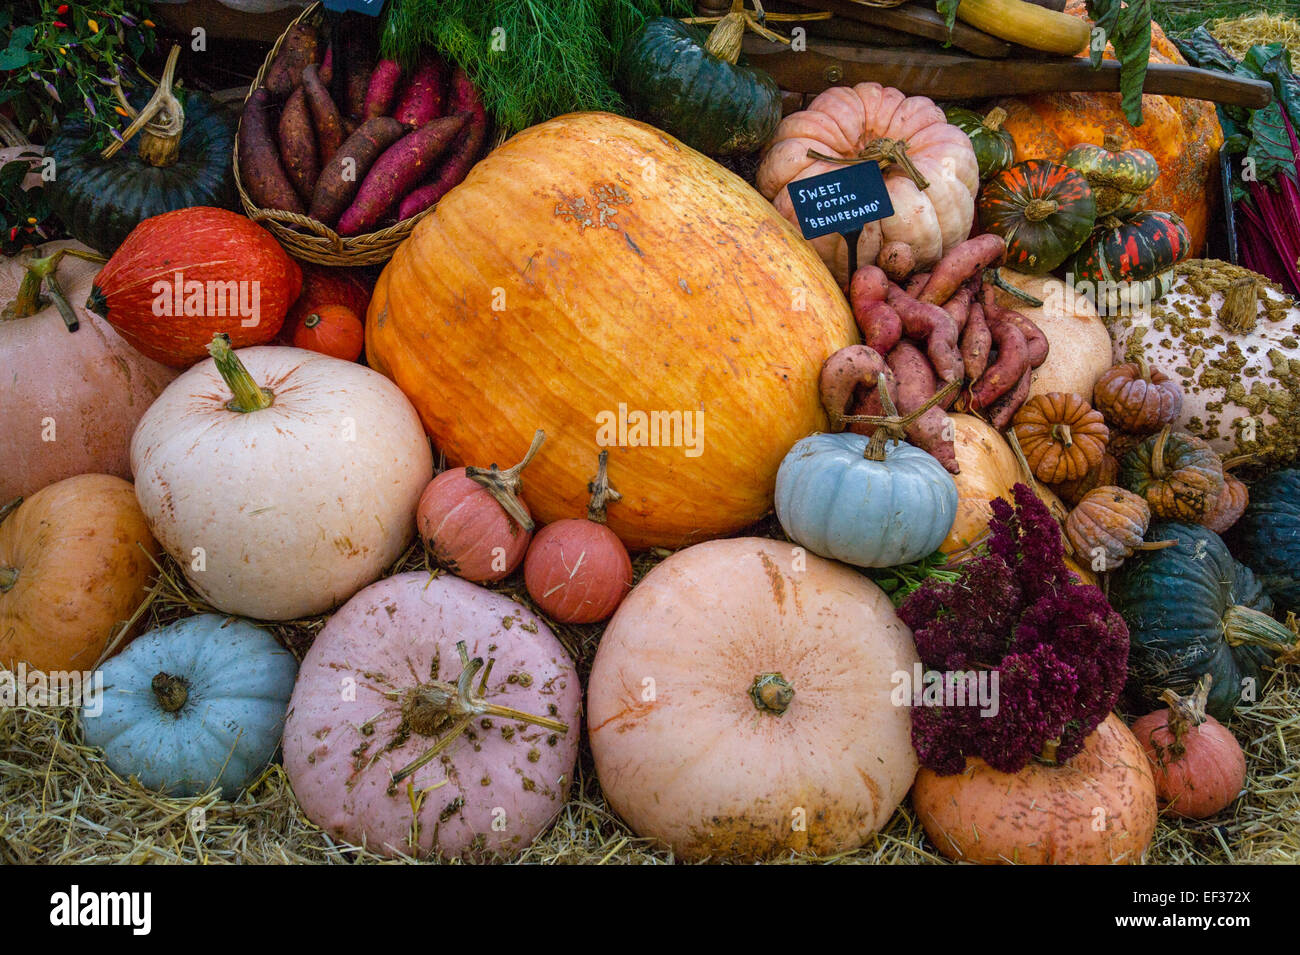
{"points": [[578, 571], [366, 709], [473, 521], [740, 705]]}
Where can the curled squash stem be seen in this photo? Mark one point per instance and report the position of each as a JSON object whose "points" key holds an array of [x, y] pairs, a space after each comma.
{"points": [[445, 710], [248, 396], [505, 486], [42, 273], [162, 121], [8, 577], [1158, 455], [994, 277], [884, 151], [1062, 434], [1185, 712], [726, 37], [892, 425]]}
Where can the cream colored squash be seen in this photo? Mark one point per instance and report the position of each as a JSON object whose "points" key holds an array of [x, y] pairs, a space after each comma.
{"points": [[699, 742], [289, 509]]}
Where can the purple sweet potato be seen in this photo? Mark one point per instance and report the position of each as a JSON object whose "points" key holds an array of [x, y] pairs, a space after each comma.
{"points": [[401, 166], [881, 326], [341, 178], [260, 170], [976, 342], [298, 150], [381, 90], [463, 154], [301, 47], [324, 114], [326, 69], [421, 100], [963, 262]]}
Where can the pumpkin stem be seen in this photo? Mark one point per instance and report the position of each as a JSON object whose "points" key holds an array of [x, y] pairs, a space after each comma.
{"points": [[995, 118], [1156, 545], [171, 691], [247, 395], [994, 277], [311, 321], [1048, 752], [1036, 210], [771, 693], [726, 38], [1144, 368], [42, 272], [8, 577], [1112, 143], [1061, 433], [891, 424], [883, 151], [1158, 454], [162, 121], [602, 492], [1244, 626], [9, 508], [1240, 309], [1186, 712], [1237, 460], [505, 486], [440, 707]]}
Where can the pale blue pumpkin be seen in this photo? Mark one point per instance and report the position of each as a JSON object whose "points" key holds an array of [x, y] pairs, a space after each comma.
{"points": [[838, 503], [193, 704]]}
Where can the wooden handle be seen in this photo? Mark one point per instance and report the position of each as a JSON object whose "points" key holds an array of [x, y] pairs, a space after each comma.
{"points": [[952, 76], [917, 20]]}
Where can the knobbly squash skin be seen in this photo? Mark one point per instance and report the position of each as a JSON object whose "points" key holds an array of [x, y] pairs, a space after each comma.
{"points": [[591, 262], [697, 765], [1183, 135], [391, 637], [79, 555], [89, 385], [1045, 814]]}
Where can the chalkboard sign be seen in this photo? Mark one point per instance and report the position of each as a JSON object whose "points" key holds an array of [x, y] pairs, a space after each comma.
{"points": [[842, 200], [368, 7]]}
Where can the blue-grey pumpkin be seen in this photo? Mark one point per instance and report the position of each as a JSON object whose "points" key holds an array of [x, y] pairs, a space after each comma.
{"points": [[839, 503], [196, 703]]}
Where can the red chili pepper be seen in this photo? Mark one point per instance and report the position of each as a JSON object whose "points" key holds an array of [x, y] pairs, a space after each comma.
{"points": [[61, 9], [60, 23], [13, 233]]}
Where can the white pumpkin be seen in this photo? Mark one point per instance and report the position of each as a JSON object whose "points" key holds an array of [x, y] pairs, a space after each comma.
{"points": [[1241, 389], [1078, 343], [289, 509]]}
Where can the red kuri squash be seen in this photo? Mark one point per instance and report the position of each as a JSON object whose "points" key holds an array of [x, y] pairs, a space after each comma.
{"points": [[183, 276]]}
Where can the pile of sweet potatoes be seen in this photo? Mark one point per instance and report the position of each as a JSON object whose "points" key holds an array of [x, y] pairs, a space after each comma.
{"points": [[933, 329], [359, 151]]}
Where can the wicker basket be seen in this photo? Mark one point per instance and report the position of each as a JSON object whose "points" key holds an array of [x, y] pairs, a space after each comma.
{"points": [[302, 236]]}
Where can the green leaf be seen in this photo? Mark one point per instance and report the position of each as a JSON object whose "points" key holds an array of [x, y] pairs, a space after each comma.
{"points": [[949, 10], [1132, 43], [15, 59]]}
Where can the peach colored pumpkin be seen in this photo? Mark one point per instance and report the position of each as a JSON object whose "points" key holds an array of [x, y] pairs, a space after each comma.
{"points": [[293, 507], [362, 713], [593, 270], [699, 743], [74, 564], [844, 121], [1079, 347], [1099, 808], [69, 400]]}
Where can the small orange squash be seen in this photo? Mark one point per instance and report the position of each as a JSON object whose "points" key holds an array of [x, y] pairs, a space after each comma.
{"points": [[1098, 808], [1229, 505], [1107, 526], [1135, 398], [589, 274], [1062, 436], [74, 563]]}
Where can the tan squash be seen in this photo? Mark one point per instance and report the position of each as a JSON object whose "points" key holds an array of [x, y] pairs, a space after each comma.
{"points": [[69, 400], [740, 704], [1079, 348], [1099, 808], [74, 564]]}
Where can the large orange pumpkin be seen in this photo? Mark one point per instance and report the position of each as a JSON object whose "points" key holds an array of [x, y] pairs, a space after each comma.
{"points": [[596, 278], [1182, 134]]}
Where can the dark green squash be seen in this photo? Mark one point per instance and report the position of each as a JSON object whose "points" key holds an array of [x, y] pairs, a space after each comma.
{"points": [[995, 150], [1266, 538], [100, 200], [1192, 609], [1131, 249], [1118, 176], [692, 85], [1044, 211]]}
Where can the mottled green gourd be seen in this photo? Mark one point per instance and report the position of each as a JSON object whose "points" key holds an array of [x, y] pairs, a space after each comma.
{"points": [[1044, 211], [995, 149], [180, 158], [1132, 249], [1119, 177], [694, 85], [1267, 536]]}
